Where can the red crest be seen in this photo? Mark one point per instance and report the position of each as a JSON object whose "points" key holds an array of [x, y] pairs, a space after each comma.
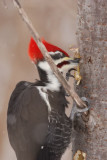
{"points": [[35, 53]]}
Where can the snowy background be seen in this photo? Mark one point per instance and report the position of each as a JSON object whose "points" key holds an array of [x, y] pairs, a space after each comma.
{"points": [[55, 21]]}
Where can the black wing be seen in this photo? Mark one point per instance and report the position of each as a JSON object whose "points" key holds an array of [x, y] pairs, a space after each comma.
{"points": [[27, 121]]}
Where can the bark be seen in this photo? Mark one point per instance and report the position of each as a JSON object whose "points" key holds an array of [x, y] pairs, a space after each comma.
{"points": [[91, 137]]}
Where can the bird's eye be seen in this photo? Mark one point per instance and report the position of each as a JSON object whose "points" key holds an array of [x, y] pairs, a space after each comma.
{"points": [[61, 72]]}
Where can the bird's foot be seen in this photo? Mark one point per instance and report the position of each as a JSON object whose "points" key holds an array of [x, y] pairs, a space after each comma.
{"points": [[68, 74], [77, 75], [86, 100], [77, 111]]}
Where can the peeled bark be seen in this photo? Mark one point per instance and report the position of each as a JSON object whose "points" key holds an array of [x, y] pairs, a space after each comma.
{"points": [[91, 137]]}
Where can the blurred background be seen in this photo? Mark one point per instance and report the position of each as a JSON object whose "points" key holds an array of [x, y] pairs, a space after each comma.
{"points": [[55, 21]]}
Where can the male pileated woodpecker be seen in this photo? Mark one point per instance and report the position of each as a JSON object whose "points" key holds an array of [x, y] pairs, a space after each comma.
{"points": [[38, 127]]}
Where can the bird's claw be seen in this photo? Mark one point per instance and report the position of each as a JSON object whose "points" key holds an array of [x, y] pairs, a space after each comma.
{"points": [[78, 111], [76, 76], [86, 100], [68, 74]]}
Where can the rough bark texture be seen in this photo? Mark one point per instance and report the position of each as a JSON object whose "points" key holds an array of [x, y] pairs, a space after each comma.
{"points": [[91, 137]]}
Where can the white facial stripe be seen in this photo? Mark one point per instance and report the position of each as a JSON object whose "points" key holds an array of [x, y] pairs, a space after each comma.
{"points": [[62, 60], [45, 97], [58, 61], [44, 66], [66, 67], [53, 84], [58, 52], [52, 53]]}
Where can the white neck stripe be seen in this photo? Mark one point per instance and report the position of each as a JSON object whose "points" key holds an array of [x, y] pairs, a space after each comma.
{"points": [[53, 84]]}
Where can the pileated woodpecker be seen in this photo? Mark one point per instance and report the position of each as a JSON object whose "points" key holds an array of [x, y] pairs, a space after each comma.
{"points": [[38, 127]]}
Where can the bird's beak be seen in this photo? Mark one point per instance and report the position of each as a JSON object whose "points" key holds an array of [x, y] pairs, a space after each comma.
{"points": [[67, 63], [71, 60]]}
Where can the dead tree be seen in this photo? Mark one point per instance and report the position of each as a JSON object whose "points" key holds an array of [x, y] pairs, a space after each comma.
{"points": [[91, 137]]}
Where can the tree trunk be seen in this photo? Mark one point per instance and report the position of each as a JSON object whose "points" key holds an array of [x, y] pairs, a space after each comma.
{"points": [[91, 137]]}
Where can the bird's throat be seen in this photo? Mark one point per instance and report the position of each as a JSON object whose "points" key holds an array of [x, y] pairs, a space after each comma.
{"points": [[47, 77]]}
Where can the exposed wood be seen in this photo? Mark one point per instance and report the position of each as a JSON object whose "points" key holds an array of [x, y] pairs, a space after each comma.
{"points": [[79, 155]]}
